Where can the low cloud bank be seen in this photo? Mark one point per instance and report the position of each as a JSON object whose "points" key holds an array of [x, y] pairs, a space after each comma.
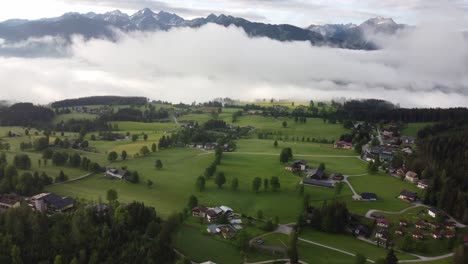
{"points": [[419, 68]]}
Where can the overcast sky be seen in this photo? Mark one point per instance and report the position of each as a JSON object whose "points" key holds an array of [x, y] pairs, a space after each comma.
{"points": [[296, 12]]}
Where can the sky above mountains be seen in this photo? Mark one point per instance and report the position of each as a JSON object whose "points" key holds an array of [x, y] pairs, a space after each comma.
{"points": [[296, 12], [423, 67]]}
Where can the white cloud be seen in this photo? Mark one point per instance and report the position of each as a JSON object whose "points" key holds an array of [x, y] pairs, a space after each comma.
{"points": [[200, 64]]}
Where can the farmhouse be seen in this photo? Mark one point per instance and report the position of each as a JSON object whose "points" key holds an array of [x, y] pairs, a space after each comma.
{"points": [[362, 230], [423, 184], [417, 234], [337, 176], [212, 214], [383, 222], [199, 211], [404, 222], [369, 196], [407, 140], [6, 203], [317, 174], [408, 196], [297, 165], [436, 235], [343, 145], [399, 231], [412, 176], [51, 202], [434, 212], [420, 225], [325, 184], [449, 234], [382, 234], [116, 173]]}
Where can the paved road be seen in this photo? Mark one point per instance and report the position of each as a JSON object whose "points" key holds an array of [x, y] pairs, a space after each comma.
{"points": [[75, 179]]}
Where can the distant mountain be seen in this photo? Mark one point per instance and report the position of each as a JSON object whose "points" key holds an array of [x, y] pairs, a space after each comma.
{"points": [[92, 25], [353, 36]]}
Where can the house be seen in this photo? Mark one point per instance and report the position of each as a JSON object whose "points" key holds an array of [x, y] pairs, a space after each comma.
{"points": [[423, 184], [412, 176], [417, 234], [199, 211], [449, 234], [343, 145], [317, 174], [436, 235], [434, 212], [420, 225], [383, 222], [407, 151], [386, 155], [116, 173], [362, 230], [325, 184], [400, 172], [212, 229], [369, 196], [449, 225], [6, 203], [227, 231], [382, 234], [404, 222], [226, 210], [399, 231], [212, 214], [51, 202], [407, 140], [298, 165], [337, 176], [387, 134], [408, 196]]}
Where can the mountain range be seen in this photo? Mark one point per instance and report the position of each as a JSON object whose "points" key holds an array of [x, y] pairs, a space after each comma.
{"points": [[92, 25]]}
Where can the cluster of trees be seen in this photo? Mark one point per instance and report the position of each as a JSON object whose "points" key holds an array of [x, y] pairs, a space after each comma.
{"points": [[274, 183], [443, 149], [100, 100], [372, 110], [128, 114], [132, 233], [74, 160], [25, 114], [214, 124], [236, 115], [152, 113], [166, 142], [24, 184], [333, 217]]}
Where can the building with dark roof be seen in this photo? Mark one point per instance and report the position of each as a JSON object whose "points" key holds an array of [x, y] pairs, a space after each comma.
{"points": [[408, 196], [325, 184], [51, 202], [369, 196]]}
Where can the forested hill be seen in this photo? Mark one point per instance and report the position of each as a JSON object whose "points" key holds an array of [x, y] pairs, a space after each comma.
{"points": [[101, 100], [444, 148], [25, 114], [373, 110]]}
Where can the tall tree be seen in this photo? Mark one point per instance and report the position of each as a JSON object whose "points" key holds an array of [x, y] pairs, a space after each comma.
{"points": [[112, 156], [200, 184], [220, 179], [391, 257], [112, 195], [292, 248], [234, 184], [256, 184], [124, 155]]}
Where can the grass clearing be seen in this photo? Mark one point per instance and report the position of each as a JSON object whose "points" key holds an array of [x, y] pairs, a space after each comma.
{"points": [[412, 129]]}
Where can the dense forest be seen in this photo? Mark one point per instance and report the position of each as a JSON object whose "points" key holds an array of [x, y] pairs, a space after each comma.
{"points": [[100, 100], [119, 233], [373, 110], [25, 114], [444, 149]]}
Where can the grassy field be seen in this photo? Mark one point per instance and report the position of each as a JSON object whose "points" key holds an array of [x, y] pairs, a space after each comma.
{"points": [[349, 244], [266, 146], [182, 166], [412, 128], [387, 189], [208, 248], [313, 128], [76, 116]]}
